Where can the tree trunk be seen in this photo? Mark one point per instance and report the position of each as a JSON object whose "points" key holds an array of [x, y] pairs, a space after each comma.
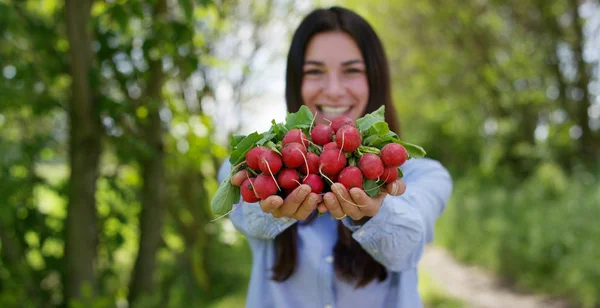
{"points": [[153, 191], [587, 145], [84, 153]]}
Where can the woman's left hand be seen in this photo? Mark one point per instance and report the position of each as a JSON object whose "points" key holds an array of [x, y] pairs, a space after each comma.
{"points": [[355, 203]]}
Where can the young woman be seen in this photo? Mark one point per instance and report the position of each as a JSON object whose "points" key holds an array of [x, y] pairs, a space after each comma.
{"points": [[350, 256]]}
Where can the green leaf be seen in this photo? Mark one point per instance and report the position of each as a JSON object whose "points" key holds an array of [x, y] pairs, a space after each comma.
{"points": [[187, 8], [352, 161], [267, 137], [370, 139], [380, 141], [276, 132], [371, 188], [301, 119], [400, 173], [234, 140], [413, 149], [370, 119], [239, 152], [226, 196]]}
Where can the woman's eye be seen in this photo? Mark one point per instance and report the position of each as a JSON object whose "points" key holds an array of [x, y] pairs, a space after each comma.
{"points": [[313, 72], [353, 70]]}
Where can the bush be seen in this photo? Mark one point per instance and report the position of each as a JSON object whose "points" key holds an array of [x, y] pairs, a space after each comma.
{"points": [[541, 233]]}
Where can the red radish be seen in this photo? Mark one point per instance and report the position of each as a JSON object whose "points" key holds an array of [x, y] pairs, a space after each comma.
{"points": [[371, 166], [322, 134], [265, 186], [288, 178], [253, 155], [315, 182], [390, 174], [341, 121], [348, 138], [269, 162], [293, 155], [331, 146], [247, 190], [313, 163], [334, 178], [295, 135], [351, 177], [393, 155], [332, 162]]}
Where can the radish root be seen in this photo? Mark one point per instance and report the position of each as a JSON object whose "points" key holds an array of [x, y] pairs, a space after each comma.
{"points": [[271, 172], [305, 161], [252, 184], [312, 122], [343, 139]]}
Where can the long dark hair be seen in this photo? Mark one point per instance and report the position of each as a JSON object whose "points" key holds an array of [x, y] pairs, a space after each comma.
{"points": [[352, 262]]}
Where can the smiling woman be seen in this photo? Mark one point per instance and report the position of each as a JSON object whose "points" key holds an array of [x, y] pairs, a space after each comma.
{"points": [[335, 80], [363, 250]]}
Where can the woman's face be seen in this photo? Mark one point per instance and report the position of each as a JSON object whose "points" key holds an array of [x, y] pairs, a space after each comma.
{"points": [[334, 79]]}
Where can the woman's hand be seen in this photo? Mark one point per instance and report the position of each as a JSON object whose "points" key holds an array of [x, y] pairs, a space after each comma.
{"points": [[356, 203], [298, 204]]}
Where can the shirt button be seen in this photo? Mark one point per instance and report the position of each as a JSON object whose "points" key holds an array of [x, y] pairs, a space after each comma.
{"points": [[329, 259], [360, 233], [328, 306]]}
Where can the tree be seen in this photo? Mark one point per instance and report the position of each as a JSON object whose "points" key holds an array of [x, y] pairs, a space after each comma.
{"points": [[85, 148]]}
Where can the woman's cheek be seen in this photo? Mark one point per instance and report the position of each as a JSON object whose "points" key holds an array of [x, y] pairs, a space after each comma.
{"points": [[309, 93]]}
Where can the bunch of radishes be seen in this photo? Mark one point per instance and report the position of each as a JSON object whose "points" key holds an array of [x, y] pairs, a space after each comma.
{"points": [[363, 154], [280, 173]]}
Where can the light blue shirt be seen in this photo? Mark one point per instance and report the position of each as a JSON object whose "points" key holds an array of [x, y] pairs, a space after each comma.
{"points": [[395, 237]]}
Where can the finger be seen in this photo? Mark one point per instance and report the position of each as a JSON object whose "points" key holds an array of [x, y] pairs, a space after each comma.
{"points": [[361, 197], [321, 207], [396, 188], [271, 204], [333, 206], [347, 204], [240, 177], [277, 213], [292, 201], [307, 207]]}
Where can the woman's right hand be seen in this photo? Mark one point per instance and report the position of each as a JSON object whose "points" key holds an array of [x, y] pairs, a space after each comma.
{"points": [[298, 204]]}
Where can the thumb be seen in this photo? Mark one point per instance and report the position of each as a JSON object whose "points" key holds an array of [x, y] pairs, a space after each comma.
{"points": [[239, 178], [396, 188]]}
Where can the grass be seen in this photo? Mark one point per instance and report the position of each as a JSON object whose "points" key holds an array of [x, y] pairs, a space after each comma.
{"points": [[433, 295]]}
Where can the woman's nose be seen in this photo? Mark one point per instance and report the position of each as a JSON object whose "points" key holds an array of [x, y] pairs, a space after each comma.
{"points": [[334, 87]]}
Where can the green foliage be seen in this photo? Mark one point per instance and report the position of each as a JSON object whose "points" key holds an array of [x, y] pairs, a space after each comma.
{"points": [[301, 119], [472, 81], [540, 233]]}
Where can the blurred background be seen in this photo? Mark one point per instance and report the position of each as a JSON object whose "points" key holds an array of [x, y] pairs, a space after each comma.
{"points": [[115, 116]]}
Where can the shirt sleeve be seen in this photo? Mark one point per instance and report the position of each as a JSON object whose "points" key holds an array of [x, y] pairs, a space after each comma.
{"points": [[249, 219], [398, 233]]}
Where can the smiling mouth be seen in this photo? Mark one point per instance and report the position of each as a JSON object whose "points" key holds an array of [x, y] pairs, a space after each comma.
{"points": [[333, 112]]}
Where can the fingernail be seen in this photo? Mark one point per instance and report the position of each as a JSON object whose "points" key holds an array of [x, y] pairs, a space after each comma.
{"points": [[275, 202], [305, 189], [354, 193]]}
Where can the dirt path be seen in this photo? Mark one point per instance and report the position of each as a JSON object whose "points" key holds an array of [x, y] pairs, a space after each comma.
{"points": [[476, 287]]}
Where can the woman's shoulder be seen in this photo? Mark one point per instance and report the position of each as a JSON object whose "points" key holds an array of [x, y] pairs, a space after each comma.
{"points": [[417, 166]]}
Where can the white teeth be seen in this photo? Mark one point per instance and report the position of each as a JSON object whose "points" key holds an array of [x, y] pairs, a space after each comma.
{"points": [[334, 111]]}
